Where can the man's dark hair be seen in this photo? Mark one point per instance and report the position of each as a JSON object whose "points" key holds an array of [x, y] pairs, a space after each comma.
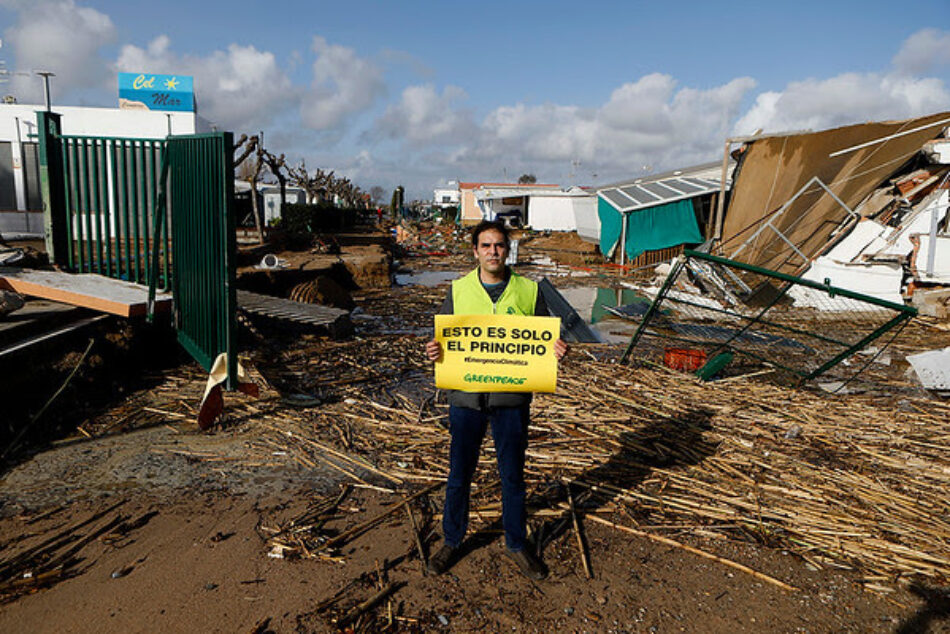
{"points": [[487, 225]]}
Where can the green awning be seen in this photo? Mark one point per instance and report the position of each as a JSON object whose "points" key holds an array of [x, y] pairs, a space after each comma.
{"points": [[661, 227], [648, 229]]}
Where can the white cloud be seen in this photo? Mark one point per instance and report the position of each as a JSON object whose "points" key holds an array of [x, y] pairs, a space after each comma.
{"points": [[424, 116], [343, 84], [841, 100], [60, 37], [924, 50], [895, 93], [241, 88], [647, 122]]}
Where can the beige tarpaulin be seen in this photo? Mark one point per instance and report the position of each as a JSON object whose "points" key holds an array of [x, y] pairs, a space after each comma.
{"points": [[212, 403], [851, 161]]}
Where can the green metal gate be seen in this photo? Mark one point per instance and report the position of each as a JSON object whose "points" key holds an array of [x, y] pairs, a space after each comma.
{"points": [[155, 211], [200, 194], [102, 194]]}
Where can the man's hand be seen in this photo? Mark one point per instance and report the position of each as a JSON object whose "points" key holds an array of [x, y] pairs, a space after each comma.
{"points": [[560, 349], [434, 350]]}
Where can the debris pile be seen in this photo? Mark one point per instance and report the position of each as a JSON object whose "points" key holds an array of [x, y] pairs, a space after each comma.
{"points": [[899, 246], [719, 309], [420, 239], [857, 483], [822, 248]]}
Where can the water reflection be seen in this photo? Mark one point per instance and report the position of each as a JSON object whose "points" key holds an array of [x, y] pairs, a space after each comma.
{"points": [[425, 278], [592, 304]]}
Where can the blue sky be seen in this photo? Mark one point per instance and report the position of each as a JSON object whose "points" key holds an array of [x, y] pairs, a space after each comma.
{"points": [[416, 93]]}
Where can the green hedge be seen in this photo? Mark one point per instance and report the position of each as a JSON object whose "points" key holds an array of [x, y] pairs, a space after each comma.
{"points": [[321, 218]]}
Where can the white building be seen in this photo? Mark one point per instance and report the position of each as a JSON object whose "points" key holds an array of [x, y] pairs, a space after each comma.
{"points": [[448, 196], [542, 208], [269, 198], [21, 204]]}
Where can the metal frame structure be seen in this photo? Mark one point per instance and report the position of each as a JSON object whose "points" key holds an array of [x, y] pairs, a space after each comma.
{"points": [[100, 194], [765, 322], [768, 224]]}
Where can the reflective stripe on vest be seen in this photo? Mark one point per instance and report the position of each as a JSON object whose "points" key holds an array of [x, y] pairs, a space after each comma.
{"points": [[469, 297]]}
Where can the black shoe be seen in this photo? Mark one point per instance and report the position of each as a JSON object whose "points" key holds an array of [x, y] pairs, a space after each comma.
{"points": [[441, 560], [531, 566]]}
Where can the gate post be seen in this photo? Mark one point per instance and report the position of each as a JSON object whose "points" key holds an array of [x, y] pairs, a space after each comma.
{"points": [[52, 186]]}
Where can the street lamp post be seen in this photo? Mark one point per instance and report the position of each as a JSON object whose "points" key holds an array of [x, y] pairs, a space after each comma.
{"points": [[45, 74]]}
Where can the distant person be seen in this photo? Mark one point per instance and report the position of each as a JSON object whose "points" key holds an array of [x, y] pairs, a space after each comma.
{"points": [[492, 288]]}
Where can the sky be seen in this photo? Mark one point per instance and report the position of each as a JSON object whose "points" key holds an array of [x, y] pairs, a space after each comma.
{"points": [[420, 93]]}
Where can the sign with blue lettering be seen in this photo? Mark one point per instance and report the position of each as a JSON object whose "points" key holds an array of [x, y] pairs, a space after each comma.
{"points": [[156, 92]]}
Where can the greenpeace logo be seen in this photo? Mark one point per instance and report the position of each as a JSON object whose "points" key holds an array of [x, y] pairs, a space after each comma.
{"points": [[495, 380]]}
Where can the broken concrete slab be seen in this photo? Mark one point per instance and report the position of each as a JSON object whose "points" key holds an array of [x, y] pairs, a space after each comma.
{"points": [[932, 302], [938, 151], [864, 234], [335, 321], [932, 368], [9, 302]]}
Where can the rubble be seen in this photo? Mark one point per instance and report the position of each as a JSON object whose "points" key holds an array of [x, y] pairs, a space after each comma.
{"points": [[932, 368], [10, 302]]}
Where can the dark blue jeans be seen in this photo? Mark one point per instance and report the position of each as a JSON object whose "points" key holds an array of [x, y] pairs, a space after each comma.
{"points": [[509, 428]]}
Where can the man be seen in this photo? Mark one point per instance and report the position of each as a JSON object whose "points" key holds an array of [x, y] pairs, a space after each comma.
{"points": [[492, 288]]}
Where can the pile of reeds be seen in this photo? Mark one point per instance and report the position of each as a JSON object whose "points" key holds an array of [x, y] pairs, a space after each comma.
{"points": [[857, 481], [842, 482]]}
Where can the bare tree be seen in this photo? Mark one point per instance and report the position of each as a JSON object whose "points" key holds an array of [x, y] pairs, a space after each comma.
{"points": [[251, 173], [376, 194], [277, 167], [246, 145], [311, 184]]}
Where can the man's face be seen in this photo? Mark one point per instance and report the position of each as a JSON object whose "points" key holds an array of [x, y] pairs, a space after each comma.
{"points": [[491, 251]]}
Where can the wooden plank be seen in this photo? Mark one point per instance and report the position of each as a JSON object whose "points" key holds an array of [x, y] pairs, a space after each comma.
{"points": [[107, 295]]}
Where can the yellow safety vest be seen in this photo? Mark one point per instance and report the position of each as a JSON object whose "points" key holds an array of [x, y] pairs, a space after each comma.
{"points": [[469, 297]]}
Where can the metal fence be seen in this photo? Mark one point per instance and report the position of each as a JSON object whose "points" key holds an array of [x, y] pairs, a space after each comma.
{"points": [[712, 310], [150, 211], [111, 187]]}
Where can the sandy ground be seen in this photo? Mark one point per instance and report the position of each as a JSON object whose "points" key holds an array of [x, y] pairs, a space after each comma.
{"points": [[199, 563], [155, 536]]}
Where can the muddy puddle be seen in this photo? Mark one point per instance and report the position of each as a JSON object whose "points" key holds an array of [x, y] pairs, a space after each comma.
{"points": [[425, 278], [592, 304]]}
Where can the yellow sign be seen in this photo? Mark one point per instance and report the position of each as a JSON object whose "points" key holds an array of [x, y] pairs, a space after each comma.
{"points": [[497, 353]]}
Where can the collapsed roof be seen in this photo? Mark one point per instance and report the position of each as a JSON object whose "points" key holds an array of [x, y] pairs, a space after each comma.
{"points": [[804, 187]]}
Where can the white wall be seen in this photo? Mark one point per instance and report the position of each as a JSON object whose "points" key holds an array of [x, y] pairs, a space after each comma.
{"points": [[551, 213], [453, 195], [112, 122], [565, 213], [586, 219], [272, 209], [18, 125]]}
